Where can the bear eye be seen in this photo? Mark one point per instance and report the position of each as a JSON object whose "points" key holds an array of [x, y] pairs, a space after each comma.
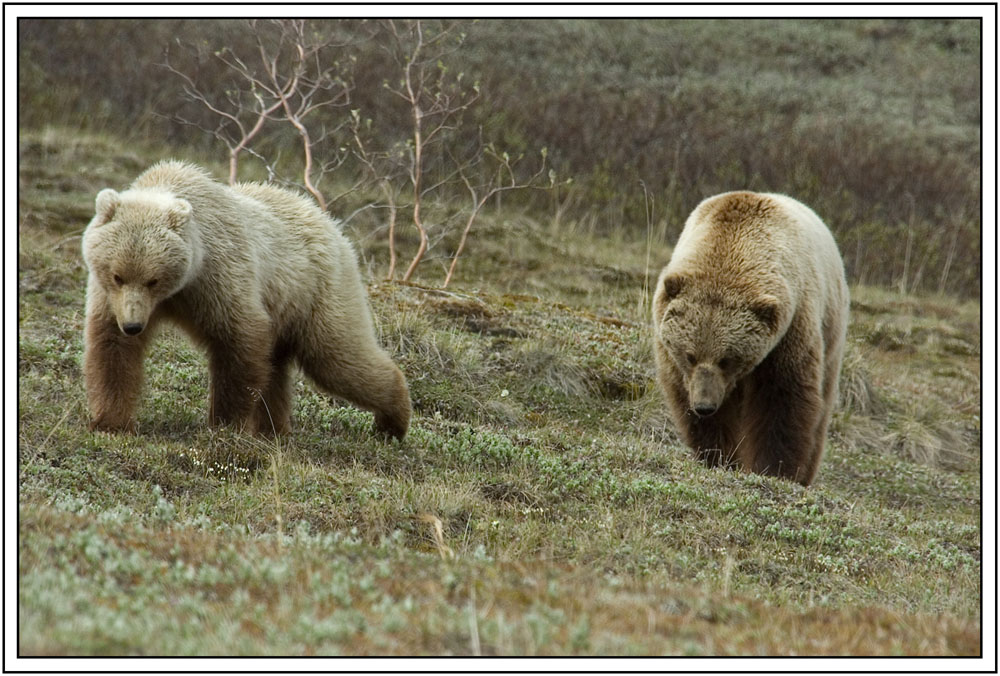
{"points": [[151, 283], [725, 363], [118, 280], [690, 358]]}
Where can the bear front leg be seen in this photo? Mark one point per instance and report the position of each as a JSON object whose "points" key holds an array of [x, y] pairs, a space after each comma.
{"points": [[711, 437], [714, 438], [112, 373], [238, 371], [784, 415]]}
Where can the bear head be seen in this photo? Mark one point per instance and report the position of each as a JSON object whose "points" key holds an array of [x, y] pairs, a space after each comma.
{"points": [[137, 248], [714, 334]]}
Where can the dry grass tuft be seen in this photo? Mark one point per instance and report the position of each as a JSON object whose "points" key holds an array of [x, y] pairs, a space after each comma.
{"points": [[858, 395], [437, 533]]}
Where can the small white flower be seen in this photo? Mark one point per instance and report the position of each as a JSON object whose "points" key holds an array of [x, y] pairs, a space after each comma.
{"points": [[504, 393]]}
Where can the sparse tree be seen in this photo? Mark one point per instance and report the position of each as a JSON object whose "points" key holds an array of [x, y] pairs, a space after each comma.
{"points": [[240, 113], [436, 100], [386, 168], [287, 73], [434, 97], [291, 73], [500, 179]]}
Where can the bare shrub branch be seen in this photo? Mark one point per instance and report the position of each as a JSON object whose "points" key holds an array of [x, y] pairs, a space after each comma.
{"points": [[290, 76], [501, 179], [434, 98], [385, 169]]}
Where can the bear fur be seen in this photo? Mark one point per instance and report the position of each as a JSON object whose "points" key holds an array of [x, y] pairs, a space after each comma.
{"points": [[750, 320], [257, 275]]}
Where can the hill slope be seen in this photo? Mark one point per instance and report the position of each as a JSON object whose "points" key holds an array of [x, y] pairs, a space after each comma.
{"points": [[541, 504]]}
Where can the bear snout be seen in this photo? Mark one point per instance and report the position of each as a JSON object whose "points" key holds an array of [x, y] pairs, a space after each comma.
{"points": [[703, 410], [132, 310], [707, 390]]}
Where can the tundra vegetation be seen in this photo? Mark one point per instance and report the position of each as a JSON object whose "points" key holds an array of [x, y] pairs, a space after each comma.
{"points": [[541, 503]]}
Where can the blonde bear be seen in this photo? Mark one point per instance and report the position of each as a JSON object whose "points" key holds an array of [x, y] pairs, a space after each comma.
{"points": [[750, 319], [257, 275]]}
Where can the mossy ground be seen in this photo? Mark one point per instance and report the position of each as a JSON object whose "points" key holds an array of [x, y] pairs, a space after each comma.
{"points": [[541, 504]]}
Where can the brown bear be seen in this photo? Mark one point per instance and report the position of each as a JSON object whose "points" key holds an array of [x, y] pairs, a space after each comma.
{"points": [[257, 275], [750, 319]]}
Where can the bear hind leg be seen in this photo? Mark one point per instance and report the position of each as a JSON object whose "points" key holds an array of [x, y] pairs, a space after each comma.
{"points": [[370, 381]]}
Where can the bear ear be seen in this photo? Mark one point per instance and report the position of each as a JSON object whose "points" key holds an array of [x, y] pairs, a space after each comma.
{"points": [[179, 213], [105, 206], [767, 310], [673, 285]]}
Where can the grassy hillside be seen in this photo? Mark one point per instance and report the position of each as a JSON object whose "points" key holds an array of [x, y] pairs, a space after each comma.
{"points": [[541, 504]]}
